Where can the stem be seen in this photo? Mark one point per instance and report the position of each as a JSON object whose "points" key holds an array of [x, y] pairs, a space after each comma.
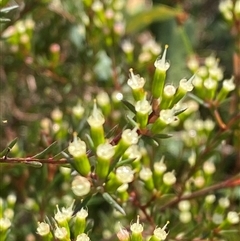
{"points": [[11, 160], [234, 181]]}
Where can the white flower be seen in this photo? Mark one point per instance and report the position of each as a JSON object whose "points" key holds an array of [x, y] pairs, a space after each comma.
{"points": [[83, 237], [97, 118], [77, 147], [135, 81], [130, 136], [169, 178], [160, 233], [43, 229], [61, 233], [105, 151], [145, 173], [81, 186], [161, 63], [125, 174], [233, 217], [136, 228]]}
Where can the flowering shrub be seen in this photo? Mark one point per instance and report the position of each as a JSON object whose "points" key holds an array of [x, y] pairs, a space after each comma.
{"points": [[91, 154]]}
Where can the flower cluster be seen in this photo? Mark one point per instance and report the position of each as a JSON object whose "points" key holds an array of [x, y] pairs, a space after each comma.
{"points": [[209, 77], [66, 225], [6, 215]]}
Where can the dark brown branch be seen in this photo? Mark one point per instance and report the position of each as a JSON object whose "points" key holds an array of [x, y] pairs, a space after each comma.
{"points": [[14, 160]]}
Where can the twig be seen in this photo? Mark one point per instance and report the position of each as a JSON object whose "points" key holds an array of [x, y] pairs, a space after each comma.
{"points": [[234, 181], [11, 160]]}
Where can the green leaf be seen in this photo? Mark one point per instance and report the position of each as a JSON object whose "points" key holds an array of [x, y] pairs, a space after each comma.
{"points": [[197, 99], [143, 19], [111, 132], [162, 136], [9, 147], [125, 162], [131, 121], [129, 106], [178, 112], [46, 151], [113, 203]]}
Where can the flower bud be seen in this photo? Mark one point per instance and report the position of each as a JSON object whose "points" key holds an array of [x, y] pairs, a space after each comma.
{"points": [[184, 87], [211, 86], [158, 169], [96, 121], [78, 111], [165, 118], [185, 216], [146, 176], [103, 101], [5, 224], [43, 230], [193, 64], [169, 178], [81, 186], [61, 233], [113, 183], [123, 235], [224, 202], [57, 115], [160, 75], [125, 174], [83, 237], [184, 205], [105, 152], [11, 200], [137, 230], [209, 167], [159, 234], [143, 109], [62, 220], [133, 152], [228, 85], [233, 217], [136, 83], [128, 138], [77, 149], [122, 192], [80, 221], [168, 94]]}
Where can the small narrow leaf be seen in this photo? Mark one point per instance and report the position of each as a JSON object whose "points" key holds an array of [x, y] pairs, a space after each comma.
{"points": [[178, 112], [163, 136], [129, 106], [46, 151], [113, 203], [90, 141], [111, 132], [124, 162], [9, 147], [131, 121], [197, 99]]}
